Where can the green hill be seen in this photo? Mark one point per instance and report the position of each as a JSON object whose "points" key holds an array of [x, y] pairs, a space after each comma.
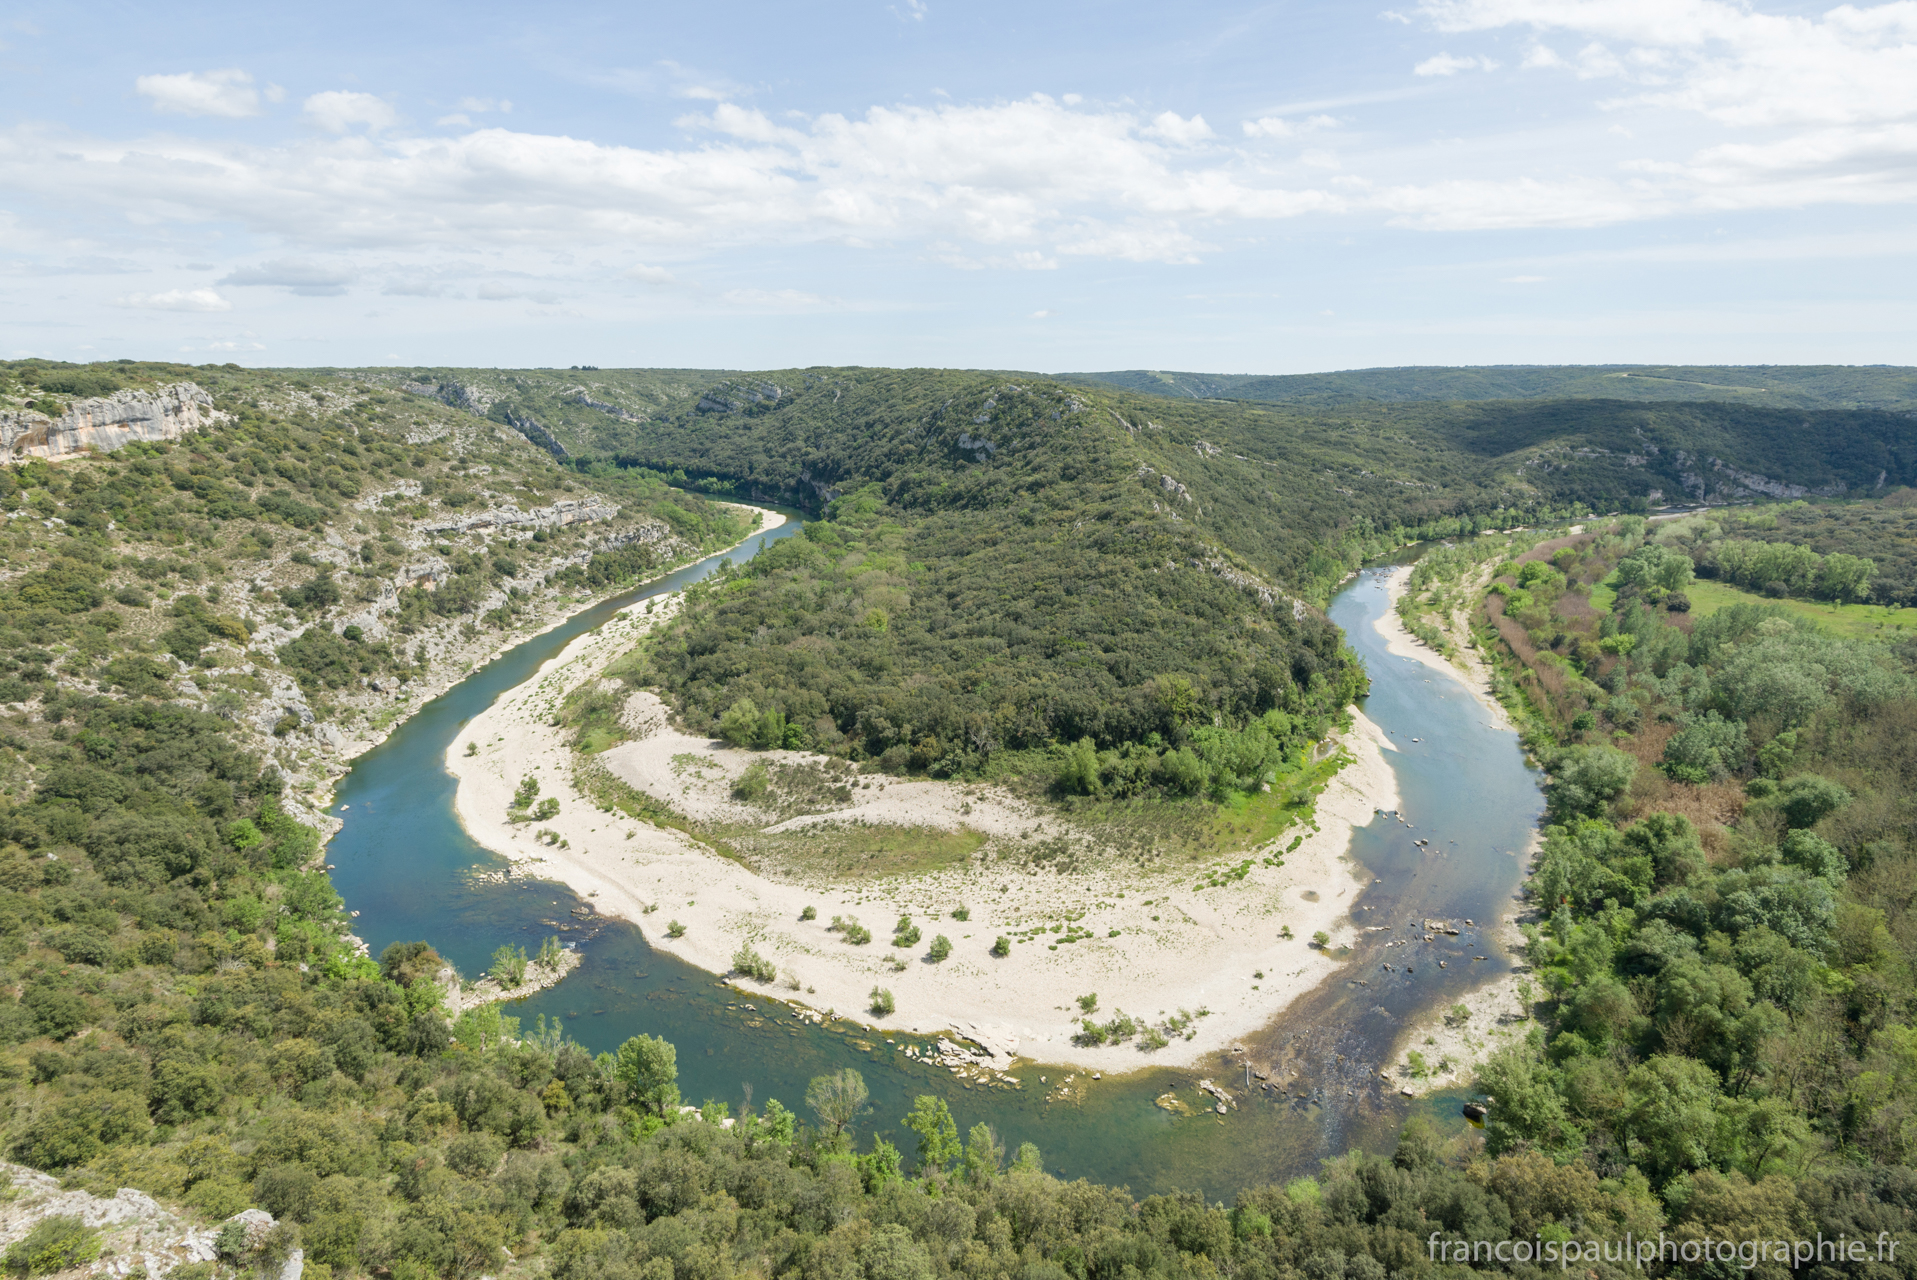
{"points": [[1765, 386]]}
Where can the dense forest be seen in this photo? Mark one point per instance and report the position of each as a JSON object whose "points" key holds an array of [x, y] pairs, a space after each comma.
{"points": [[1725, 934]]}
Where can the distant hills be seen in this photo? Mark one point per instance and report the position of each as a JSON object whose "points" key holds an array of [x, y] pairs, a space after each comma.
{"points": [[1761, 386]]}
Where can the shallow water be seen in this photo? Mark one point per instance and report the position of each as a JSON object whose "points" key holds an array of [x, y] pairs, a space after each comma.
{"points": [[404, 862]]}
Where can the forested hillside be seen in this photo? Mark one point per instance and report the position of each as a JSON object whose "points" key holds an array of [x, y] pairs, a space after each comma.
{"points": [[1725, 941], [1756, 386]]}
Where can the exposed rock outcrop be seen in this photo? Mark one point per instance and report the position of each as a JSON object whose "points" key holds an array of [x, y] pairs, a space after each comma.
{"points": [[136, 1230], [106, 423], [558, 515]]}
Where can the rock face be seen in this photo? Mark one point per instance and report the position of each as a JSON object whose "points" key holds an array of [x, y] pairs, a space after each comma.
{"points": [[106, 423], [136, 1231], [560, 514]]}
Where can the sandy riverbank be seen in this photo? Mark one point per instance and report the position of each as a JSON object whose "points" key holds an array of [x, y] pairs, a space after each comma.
{"points": [[1469, 670], [1177, 946]]}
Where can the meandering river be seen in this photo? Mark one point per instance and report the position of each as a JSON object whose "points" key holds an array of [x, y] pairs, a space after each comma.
{"points": [[407, 866]]}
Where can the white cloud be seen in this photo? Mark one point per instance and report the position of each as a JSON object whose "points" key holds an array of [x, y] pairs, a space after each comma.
{"points": [[1043, 315], [1279, 127], [501, 293], [1445, 64], [778, 301], [1521, 280], [312, 280], [457, 117], [176, 300], [650, 275], [1848, 65], [338, 110], [227, 93], [1175, 129], [1024, 177]]}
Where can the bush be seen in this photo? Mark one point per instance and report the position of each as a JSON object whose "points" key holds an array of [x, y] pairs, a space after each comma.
{"points": [[882, 1002], [810, 913], [674, 929], [54, 1244], [753, 783], [509, 965], [1321, 939], [749, 962], [1003, 947], [941, 948], [962, 914]]}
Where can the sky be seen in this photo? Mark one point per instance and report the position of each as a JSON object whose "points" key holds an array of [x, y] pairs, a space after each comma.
{"points": [[1245, 188]]}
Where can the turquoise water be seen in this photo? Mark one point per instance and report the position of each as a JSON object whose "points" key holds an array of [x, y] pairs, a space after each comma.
{"points": [[406, 865]]}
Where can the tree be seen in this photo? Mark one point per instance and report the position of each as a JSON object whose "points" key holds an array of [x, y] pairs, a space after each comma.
{"points": [[649, 1067], [1078, 769], [938, 1133], [1842, 577], [1671, 842], [984, 1153], [1815, 855], [1529, 1108], [509, 965], [741, 723], [1807, 799], [837, 1099], [1584, 779]]}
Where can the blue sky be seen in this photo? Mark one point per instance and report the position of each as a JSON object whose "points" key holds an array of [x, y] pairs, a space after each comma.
{"points": [[1273, 188]]}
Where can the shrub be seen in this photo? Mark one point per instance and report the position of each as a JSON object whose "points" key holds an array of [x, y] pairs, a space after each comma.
{"points": [[1003, 947], [1321, 939], [749, 962], [674, 929], [941, 948], [54, 1244], [962, 914], [810, 913], [509, 965], [1087, 1003], [882, 1002], [753, 783]]}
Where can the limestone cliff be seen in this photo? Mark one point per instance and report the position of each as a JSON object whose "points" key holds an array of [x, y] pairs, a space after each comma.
{"points": [[106, 423]]}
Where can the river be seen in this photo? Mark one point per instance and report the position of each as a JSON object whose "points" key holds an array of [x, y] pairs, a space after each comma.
{"points": [[403, 861]]}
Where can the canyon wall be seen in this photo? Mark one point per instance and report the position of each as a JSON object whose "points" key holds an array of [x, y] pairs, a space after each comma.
{"points": [[106, 423]]}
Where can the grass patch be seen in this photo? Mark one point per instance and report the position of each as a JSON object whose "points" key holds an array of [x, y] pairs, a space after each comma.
{"points": [[1852, 621], [1259, 819], [595, 740], [850, 851]]}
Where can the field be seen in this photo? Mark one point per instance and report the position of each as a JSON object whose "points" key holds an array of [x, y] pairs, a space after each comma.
{"points": [[1852, 621]]}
